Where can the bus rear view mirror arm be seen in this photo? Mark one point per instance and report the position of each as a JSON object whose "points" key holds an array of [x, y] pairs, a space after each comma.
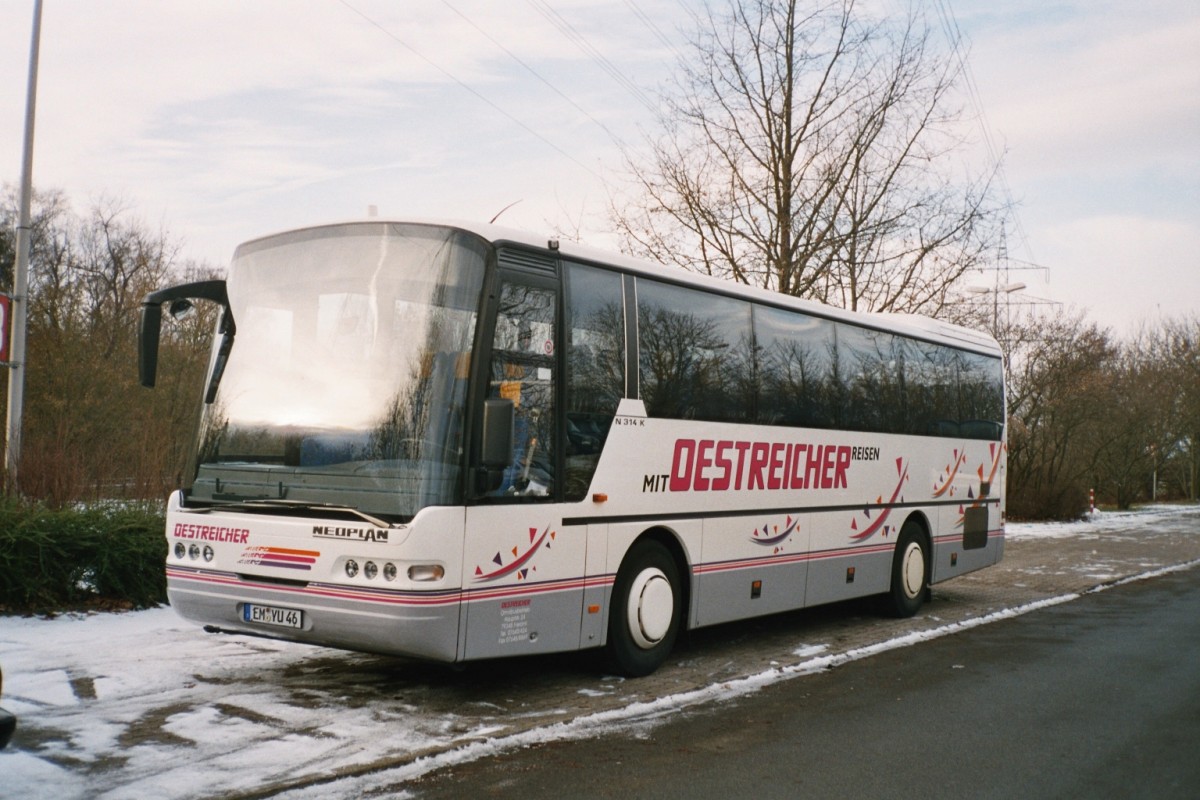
{"points": [[179, 297]]}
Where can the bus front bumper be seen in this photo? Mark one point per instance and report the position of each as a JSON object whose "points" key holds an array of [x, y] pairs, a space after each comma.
{"points": [[416, 624]]}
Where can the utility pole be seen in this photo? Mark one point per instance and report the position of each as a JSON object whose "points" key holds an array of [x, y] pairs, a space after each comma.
{"points": [[20, 300]]}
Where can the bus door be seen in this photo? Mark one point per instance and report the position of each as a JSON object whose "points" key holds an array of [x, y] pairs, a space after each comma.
{"points": [[523, 571]]}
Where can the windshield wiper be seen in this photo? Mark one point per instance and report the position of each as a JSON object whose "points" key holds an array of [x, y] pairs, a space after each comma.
{"points": [[271, 504]]}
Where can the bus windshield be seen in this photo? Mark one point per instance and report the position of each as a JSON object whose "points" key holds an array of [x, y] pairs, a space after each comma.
{"points": [[346, 381]]}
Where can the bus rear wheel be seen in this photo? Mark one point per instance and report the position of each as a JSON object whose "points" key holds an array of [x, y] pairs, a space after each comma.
{"points": [[910, 573], [646, 611]]}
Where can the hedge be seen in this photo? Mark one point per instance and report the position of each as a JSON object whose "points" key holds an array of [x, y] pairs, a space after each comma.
{"points": [[52, 560]]}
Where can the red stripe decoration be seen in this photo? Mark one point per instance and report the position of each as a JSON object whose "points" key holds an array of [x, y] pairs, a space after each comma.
{"points": [[282, 557], [870, 531]]}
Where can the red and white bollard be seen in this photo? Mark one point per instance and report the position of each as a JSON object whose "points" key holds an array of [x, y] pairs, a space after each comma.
{"points": [[1092, 499]]}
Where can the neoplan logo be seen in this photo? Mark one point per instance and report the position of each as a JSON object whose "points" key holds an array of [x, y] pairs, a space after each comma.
{"points": [[354, 534]]}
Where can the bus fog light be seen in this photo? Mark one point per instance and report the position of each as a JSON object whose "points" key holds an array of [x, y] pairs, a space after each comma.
{"points": [[370, 570], [426, 572], [194, 552], [351, 568], [208, 553], [389, 571], [180, 550]]}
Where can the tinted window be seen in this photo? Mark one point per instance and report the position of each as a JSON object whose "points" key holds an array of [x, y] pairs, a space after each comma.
{"points": [[871, 375], [795, 365], [696, 354], [595, 369], [981, 397], [820, 374], [700, 358], [933, 388]]}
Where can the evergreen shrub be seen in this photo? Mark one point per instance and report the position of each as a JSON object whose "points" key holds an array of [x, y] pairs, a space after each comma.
{"points": [[61, 559]]}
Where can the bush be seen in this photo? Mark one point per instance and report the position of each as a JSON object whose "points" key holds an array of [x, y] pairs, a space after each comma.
{"points": [[1060, 501], [52, 560]]}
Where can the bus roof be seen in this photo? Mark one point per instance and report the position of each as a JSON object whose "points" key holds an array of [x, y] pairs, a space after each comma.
{"points": [[913, 325]]}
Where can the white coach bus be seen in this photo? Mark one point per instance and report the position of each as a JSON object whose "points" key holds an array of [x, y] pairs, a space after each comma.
{"points": [[458, 442]]}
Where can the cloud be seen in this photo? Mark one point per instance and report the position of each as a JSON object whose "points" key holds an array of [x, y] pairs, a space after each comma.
{"points": [[207, 108], [1115, 87], [230, 119], [1125, 269]]}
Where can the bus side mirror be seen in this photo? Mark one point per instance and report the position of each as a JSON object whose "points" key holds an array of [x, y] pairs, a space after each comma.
{"points": [[148, 343], [178, 297], [497, 449], [181, 309]]}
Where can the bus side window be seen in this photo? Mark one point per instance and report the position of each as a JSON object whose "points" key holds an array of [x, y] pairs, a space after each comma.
{"points": [[696, 354], [522, 370], [595, 369], [794, 368], [981, 397]]}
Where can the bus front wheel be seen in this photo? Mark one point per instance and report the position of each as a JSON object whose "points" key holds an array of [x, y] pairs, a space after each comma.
{"points": [[910, 573], [647, 607]]}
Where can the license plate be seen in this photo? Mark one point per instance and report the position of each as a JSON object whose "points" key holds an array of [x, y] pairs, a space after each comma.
{"points": [[273, 615]]}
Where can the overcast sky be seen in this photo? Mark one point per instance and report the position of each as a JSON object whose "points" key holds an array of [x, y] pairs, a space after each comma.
{"points": [[220, 120]]}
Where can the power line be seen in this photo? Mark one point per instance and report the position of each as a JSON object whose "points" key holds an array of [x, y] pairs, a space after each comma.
{"points": [[569, 31], [614, 137], [687, 8], [479, 95], [955, 37], [649, 25]]}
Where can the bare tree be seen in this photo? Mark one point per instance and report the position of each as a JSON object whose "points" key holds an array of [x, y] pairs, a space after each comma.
{"points": [[1087, 410], [89, 429], [1060, 371], [1134, 428], [1173, 349], [808, 149]]}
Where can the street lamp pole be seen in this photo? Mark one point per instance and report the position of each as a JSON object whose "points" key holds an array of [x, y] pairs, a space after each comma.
{"points": [[20, 300]]}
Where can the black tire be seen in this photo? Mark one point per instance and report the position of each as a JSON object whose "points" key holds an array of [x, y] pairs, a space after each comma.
{"points": [[646, 610], [910, 573]]}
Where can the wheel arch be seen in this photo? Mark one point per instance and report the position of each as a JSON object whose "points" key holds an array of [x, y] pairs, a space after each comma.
{"points": [[925, 529], [636, 646], [919, 519], [674, 545], [898, 601]]}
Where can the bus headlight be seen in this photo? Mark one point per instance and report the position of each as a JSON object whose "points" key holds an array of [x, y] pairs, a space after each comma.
{"points": [[194, 552], [208, 553], [180, 550], [370, 570], [389, 571], [351, 568]]}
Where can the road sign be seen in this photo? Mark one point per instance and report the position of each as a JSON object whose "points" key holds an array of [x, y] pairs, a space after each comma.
{"points": [[5, 307]]}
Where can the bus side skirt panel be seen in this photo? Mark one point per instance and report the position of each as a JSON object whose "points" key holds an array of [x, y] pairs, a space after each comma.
{"points": [[749, 571], [839, 575], [956, 550]]}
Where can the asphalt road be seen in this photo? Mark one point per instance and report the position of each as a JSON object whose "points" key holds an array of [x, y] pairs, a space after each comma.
{"points": [[1095, 698]]}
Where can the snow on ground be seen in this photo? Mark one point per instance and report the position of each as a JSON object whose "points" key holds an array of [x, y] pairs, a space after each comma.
{"points": [[1099, 523], [140, 705], [94, 678]]}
